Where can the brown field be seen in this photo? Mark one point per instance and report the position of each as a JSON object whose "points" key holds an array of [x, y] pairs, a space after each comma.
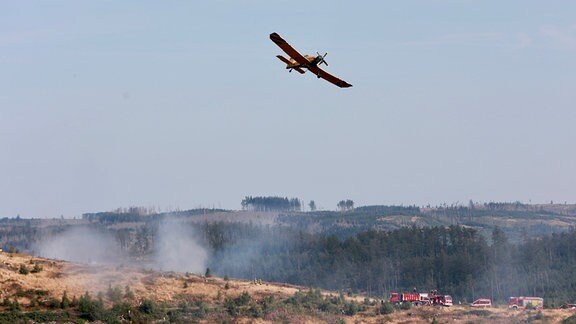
{"points": [[57, 277]]}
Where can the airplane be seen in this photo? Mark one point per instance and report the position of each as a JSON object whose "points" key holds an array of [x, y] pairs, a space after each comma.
{"points": [[300, 62]]}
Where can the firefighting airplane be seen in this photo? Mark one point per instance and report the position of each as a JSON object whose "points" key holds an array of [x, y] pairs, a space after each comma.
{"points": [[299, 62]]}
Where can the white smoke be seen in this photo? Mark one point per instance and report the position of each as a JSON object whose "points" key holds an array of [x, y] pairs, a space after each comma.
{"points": [[81, 244], [177, 249]]}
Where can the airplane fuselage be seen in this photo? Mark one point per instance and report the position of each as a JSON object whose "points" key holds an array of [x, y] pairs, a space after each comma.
{"points": [[313, 60]]}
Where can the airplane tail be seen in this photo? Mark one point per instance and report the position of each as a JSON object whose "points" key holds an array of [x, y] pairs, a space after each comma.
{"points": [[285, 60]]}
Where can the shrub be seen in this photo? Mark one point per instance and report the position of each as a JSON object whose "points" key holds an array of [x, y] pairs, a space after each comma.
{"points": [[148, 307], [255, 311], [351, 308], [65, 303], [231, 306], [53, 303], [268, 303], [243, 299], [121, 309], [202, 309], [405, 306], [386, 308], [23, 269], [37, 268], [15, 306], [114, 294]]}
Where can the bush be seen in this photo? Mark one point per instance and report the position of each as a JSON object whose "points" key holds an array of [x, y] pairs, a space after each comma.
{"points": [[405, 306], [230, 306], [15, 306], [37, 268], [53, 303], [243, 299], [268, 303], [148, 307], [255, 311], [121, 309], [202, 309], [386, 308], [114, 294], [65, 303], [351, 308], [90, 309], [23, 269]]}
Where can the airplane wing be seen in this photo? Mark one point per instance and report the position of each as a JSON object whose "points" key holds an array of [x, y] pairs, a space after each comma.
{"points": [[329, 77], [288, 49]]}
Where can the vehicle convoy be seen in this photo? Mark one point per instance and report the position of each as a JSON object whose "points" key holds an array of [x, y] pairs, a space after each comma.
{"points": [[525, 302]]}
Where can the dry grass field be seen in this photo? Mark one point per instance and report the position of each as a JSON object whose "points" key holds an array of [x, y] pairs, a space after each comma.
{"points": [[57, 277]]}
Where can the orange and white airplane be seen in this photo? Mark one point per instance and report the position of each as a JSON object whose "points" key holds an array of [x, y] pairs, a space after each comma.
{"points": [[300, 62]]}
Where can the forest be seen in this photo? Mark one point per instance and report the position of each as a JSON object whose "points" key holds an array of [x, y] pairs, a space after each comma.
{"points": [[454, 260], [478, 251]]}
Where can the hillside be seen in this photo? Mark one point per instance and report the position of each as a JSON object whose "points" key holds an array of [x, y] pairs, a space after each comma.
{"points": [[490, 250], [116, 294]]}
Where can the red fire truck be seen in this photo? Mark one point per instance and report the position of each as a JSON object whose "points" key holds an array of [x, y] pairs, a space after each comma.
{"points": [[442, 300], [414, 298], [523, 302], [418, 299]]}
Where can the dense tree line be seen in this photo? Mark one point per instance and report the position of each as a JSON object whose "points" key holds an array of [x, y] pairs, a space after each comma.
{"points": [[134, 214], [344, 205], [271, 204]]}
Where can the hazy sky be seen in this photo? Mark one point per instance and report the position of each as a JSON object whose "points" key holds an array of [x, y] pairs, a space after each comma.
{"points": [[183, 104]]}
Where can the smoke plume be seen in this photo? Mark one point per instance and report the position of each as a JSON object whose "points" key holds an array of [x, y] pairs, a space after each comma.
{"points": [[176, 248], [81, 244]]}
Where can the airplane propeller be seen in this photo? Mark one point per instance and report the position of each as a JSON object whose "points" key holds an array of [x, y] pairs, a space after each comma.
{"points": [[321, 57]]}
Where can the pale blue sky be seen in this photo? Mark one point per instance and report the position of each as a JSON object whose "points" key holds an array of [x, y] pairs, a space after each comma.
{"points": [[183, 104]]}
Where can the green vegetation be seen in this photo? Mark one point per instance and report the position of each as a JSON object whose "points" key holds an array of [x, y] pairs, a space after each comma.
{"points": [[23, 270], [37, 268]]}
